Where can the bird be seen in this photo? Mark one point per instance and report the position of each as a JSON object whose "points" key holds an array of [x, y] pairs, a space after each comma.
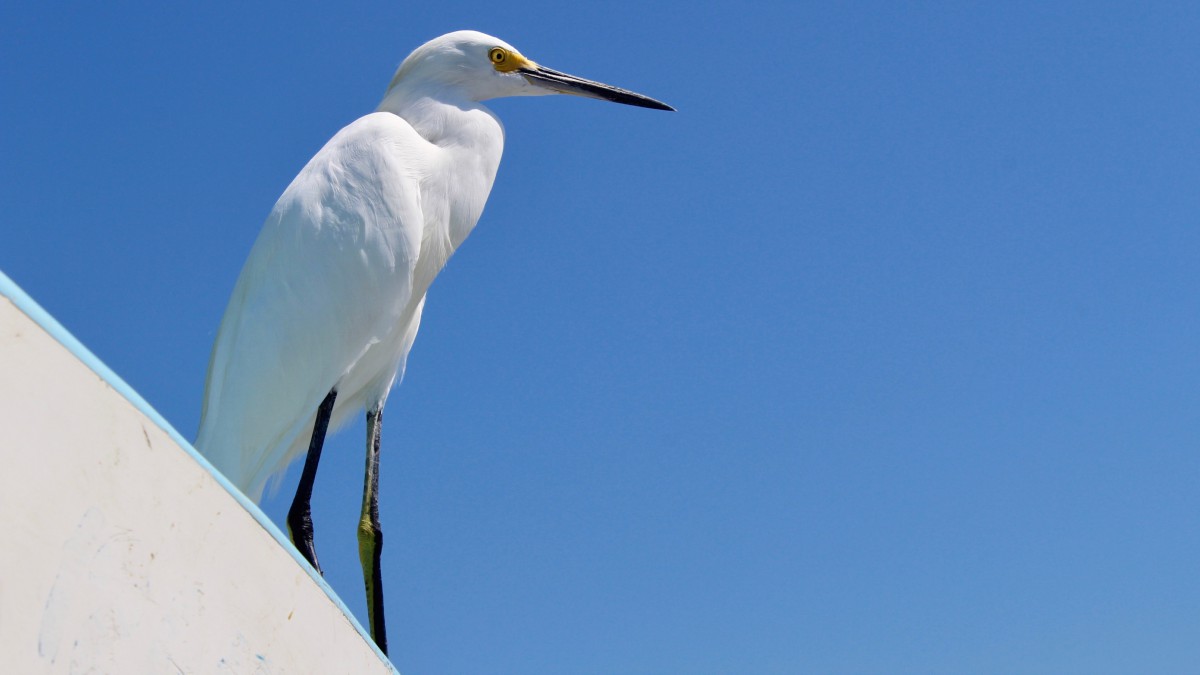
{"points": [[328, 303]]}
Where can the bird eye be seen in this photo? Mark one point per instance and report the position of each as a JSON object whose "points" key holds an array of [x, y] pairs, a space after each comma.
{"points": [[498, 55]]}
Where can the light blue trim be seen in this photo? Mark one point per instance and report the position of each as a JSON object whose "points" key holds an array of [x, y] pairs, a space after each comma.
{"points": [[26, 304]]}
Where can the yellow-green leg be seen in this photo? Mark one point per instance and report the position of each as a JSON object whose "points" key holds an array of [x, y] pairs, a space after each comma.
{"points": [[370, 535]]}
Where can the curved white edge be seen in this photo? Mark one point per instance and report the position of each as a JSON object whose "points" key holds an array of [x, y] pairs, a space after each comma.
{"points": [[34, 311]]}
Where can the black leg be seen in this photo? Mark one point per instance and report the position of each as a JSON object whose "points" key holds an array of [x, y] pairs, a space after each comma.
{"points": [[370, 534], [299, 519]]}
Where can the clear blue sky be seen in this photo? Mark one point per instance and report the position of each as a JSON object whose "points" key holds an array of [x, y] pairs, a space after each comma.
{"points": [[880, 355]]}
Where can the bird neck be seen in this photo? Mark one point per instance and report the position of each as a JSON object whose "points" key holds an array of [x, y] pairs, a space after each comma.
{"points": [[470, 140], [441, 115]]}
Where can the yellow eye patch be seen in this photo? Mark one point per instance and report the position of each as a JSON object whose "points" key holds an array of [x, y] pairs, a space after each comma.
{"points": [[507, 61]]}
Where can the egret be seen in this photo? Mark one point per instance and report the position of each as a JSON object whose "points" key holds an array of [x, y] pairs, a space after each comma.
{"points": [[326, 308]]}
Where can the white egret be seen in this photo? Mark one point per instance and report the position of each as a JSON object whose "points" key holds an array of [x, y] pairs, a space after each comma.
{"points": [[327, 306]]}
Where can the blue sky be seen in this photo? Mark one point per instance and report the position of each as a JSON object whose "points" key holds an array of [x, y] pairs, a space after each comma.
{"points": [[880, 355]]}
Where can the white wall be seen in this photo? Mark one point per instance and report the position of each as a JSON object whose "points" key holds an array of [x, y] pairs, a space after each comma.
{"points": [[120, 552]]}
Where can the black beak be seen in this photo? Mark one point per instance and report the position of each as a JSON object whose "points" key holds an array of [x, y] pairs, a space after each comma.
{"points": [[577, 86]]}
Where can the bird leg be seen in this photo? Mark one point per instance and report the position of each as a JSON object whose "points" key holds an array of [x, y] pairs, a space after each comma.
{"points": [[299, 518], [370, 534]]}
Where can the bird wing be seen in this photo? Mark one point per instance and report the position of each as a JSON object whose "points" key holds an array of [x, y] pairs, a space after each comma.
{"points": [[330, 275]]}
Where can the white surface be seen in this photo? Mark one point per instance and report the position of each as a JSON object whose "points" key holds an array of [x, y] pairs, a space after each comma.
{"points": [[122, 554]]}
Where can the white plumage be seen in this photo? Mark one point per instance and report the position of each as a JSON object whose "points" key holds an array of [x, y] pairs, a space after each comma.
{"points": [[329, 301], [332, 292]]}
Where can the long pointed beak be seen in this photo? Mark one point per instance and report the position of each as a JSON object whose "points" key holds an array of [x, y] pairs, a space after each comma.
{"points": [[563, 83]]}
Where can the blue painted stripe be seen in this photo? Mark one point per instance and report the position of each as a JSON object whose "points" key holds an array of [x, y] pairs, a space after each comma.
{"points": [[10, 290]]}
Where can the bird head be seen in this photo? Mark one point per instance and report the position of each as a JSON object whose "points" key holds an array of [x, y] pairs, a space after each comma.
{"points": [[480, 67]]}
